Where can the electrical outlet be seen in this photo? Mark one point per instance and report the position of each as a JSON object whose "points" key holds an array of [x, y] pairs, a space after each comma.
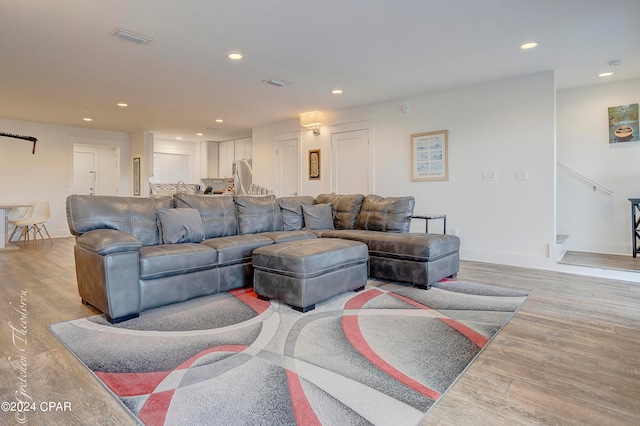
{"points": [[521, 175], [489, 176]]}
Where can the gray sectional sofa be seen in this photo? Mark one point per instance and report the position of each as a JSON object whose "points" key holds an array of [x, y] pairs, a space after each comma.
{"points": [[134, 254]]}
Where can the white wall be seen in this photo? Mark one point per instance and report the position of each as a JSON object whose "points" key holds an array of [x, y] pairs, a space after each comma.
{"points": [[594, 221], [48, 174], [503, 127]]}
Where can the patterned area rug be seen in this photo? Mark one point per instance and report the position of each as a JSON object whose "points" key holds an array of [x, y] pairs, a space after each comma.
{"points": [[381, 356]]}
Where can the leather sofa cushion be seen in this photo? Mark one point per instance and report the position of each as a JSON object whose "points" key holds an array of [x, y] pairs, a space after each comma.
{"points": [[236, 249], [309, 258], [318, 216], [108, 241], [291, 211], [258, 214], [133, 215], [286, 236], [390, 214], [417, 247], [345, 208], [181, 225], [166, 260], [218, 213]]}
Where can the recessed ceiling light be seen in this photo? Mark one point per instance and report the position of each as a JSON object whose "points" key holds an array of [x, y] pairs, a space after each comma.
{"points": [[234, 56], [527, 46], [122, 104], [179, 138], [605, 74], [337, 91], [88, 119], [199, 134], [219, 120]]}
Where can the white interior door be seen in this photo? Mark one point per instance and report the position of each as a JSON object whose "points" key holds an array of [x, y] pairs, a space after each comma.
{"points": [[287, 165], [96, 170], [350, 162], [84, 173]]}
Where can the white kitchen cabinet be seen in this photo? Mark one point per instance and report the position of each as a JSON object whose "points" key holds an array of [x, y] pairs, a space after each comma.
{"points": [[243, 149], [226, 156], [212, 159]]}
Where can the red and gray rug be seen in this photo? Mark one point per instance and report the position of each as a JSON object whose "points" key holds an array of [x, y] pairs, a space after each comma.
{"points": [[381, 356]]}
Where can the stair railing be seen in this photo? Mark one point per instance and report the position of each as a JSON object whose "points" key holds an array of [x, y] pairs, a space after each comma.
{"points": [[593, 184]]}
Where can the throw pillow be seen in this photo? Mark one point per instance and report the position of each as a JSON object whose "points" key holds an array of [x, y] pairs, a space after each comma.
{"points": [[291, 210], [318, 216], [180, 225]]}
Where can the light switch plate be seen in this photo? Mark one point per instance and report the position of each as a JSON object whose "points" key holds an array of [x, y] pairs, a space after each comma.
{"points": [[521, 175], [489, 176]]}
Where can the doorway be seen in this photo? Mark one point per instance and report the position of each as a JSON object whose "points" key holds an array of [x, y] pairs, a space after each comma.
{"points": [[287, 164], [96, 170], [351, 160]]}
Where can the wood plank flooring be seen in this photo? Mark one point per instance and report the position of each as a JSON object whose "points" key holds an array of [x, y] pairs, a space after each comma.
{"points": [[570, 356], [604, 261]]}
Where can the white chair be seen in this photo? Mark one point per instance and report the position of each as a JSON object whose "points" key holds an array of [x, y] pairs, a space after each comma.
{"points": [[35, 222], [18, 215]]}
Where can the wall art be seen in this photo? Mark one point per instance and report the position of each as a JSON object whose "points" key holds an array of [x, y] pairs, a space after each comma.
{"points": [[623, 124], [430, 156]]}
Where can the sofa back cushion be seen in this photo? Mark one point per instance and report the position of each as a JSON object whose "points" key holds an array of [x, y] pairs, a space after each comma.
{"points": [[345, 208], [291, 211], [218, 213], [258, 214], [133, 215], [391, 214]]}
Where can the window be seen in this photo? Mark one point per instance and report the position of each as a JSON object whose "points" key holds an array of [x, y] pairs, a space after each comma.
{"points": [[170, 168]]}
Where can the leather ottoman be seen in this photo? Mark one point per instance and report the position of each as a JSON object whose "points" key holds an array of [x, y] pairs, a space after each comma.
{"points": [[305, 272]]}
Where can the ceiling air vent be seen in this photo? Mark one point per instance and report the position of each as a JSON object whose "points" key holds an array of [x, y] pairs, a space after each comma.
{"points": [[276, 82], [132, 37]]}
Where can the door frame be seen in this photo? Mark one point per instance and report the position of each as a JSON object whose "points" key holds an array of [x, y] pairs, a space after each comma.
{"points": [[122, 151], [351, 127], [285, 137]]}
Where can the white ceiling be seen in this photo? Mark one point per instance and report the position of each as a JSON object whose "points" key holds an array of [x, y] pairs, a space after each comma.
{"points": [[58, 62]]}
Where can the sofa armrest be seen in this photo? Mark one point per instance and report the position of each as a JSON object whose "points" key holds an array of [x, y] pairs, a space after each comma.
{"points": [[108, 241]]}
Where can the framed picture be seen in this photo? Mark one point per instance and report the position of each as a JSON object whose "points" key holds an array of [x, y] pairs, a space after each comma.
{"points": [[314, 164], [136, 176], [623, 124], [430, 156]]}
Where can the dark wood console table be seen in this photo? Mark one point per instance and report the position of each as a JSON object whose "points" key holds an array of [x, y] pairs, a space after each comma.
{"points": [[635, 225], [428, 217]]}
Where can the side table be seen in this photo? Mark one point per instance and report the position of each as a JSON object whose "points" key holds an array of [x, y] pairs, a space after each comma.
{"points": [[428, 217]]}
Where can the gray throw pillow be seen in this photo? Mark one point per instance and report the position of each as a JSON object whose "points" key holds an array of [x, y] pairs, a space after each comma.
{"points": [[318, 216], [181, 225]]}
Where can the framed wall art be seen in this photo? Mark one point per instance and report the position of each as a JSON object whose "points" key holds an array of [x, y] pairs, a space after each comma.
{"points": [[430, 156], [136, 176], [623, 124], [314, 164]]}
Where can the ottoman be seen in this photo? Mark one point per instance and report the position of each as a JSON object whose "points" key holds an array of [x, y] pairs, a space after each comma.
{"points": [[305, 272]]}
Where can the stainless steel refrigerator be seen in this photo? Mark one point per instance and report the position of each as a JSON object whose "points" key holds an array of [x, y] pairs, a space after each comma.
{"points": [[242, 177]]}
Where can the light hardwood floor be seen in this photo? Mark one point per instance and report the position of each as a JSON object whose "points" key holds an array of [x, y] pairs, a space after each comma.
{"points": [[570, 356], [606, 261]]}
